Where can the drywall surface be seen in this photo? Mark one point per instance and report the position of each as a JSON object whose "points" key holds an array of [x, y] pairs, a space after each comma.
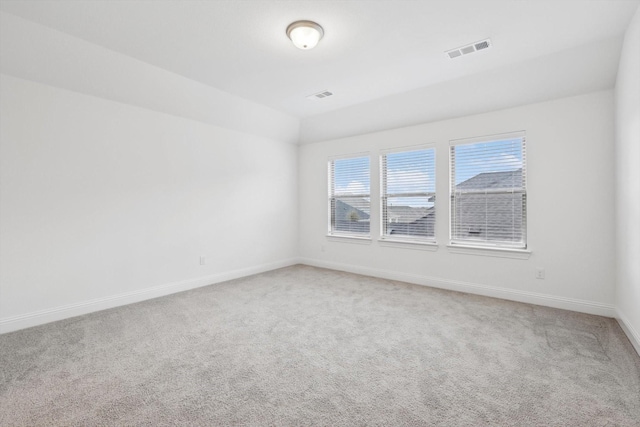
{"points": [[518, 84], [101, 200], [570, 207], [34, 52], [627, 94]]}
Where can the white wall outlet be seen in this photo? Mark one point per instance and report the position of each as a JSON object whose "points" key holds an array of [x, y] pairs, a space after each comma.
{"points": [[322, 248], [203, 260], [539, 273]]}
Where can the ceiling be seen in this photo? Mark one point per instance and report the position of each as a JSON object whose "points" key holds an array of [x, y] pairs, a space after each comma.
{"points": [[371, 49]]}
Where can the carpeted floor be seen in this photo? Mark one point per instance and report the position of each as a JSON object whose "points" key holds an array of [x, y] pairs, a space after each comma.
{"points": [[303, 346]]}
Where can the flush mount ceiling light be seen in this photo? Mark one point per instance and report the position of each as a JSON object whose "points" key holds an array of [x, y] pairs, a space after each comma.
{"points": [[305, 34]]}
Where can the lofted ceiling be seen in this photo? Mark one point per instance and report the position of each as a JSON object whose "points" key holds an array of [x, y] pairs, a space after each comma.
{"points": [[371, 49]]}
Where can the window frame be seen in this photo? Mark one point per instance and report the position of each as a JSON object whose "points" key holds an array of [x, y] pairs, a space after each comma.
{"points": [[331, 232], [454, 242], [401, 239]]}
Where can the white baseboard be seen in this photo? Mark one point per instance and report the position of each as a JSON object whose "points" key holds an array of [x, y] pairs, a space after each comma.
{"points": [[15, 323], [631, 333], [581, 306]]}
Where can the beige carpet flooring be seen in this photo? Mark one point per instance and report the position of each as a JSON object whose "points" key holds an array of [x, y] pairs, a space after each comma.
{"points": [[303, 346]]}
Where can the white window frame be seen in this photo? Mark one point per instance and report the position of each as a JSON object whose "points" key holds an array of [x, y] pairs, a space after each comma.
{"points": [[331, 231], [488, 244], [384, 235]]}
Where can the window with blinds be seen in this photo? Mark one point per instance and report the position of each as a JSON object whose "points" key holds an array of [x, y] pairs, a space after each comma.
{"points": [[488, 191], [349, 196], [408, 195]]}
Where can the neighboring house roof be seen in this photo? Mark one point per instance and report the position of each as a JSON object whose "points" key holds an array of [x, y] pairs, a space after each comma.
{"points": [[508, 179], [405, 213], [344, 211], [482, 216], [351, 217], [423, 226], [363, 204], [489, 216]]}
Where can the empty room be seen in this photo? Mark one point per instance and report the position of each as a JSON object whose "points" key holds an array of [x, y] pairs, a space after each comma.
{"points": [[319, 213]]}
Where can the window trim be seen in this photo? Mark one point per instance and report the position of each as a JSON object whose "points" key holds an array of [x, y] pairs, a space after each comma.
{"points": [[499, 252], [409, 244], [349, 239], [491, 248], [399, 240]]}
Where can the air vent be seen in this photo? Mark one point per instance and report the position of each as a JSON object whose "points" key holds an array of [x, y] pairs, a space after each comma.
{"points": [[482, 45], [320, 95], [465, 50]]}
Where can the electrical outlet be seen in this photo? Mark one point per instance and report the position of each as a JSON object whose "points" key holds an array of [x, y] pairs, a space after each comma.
{"points": [[322, 248], [539, 273], [203, 260]]}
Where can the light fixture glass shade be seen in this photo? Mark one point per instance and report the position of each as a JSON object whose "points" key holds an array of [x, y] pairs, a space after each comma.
{"points": [[305, 34]]}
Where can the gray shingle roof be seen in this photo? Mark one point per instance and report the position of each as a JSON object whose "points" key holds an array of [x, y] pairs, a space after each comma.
{"points": [[350, 215], [423, 226], [492, 180], [490, 216], [405, 214], [348, 210]]}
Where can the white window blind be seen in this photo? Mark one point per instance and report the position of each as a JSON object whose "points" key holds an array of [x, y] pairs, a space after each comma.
{"points": [[488, 191], [349, 196], [408, 194]]}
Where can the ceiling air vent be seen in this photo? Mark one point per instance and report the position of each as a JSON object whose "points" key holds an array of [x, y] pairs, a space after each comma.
{"points": [[465, 50], [482, 45], [454, 53], [320, 95]]}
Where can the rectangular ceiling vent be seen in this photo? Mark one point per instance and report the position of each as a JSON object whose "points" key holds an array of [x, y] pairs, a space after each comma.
{"points": [[320, 95], [465, 50]]}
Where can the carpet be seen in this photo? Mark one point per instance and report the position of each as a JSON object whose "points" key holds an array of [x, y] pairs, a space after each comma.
{"points": [[304, 346]]}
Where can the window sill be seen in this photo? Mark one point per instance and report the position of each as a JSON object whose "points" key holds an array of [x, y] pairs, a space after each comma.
{"points": [[409, 244], [349, 239], [489, 251]]}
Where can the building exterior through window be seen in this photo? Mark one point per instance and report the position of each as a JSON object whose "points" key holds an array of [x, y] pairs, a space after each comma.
{"points": [[488, 191]]}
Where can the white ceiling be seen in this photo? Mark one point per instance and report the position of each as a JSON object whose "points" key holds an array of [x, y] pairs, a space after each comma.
{"points": [[371, 50]]}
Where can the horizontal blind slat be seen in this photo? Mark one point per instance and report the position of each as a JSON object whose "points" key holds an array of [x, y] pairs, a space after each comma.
{"points": [[488, 191], [408, 194], [349, 196]]}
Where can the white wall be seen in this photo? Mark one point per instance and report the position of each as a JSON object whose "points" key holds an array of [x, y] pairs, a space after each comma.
{"points": [[37, 53], [570, 211], [627, 94], [553, 76], [104, 203]]}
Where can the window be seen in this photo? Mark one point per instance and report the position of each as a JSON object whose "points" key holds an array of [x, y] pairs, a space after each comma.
{"points": [[408, 195], [488, 191], [349, 197]]}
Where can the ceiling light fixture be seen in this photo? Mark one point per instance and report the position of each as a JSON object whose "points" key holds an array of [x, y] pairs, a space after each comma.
{"points": [[305, 34]]}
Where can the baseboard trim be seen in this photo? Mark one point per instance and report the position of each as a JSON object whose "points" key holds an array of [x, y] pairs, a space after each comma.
{"points": [[629, 331], [546, 300], [15, 323], [10, 324]]}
